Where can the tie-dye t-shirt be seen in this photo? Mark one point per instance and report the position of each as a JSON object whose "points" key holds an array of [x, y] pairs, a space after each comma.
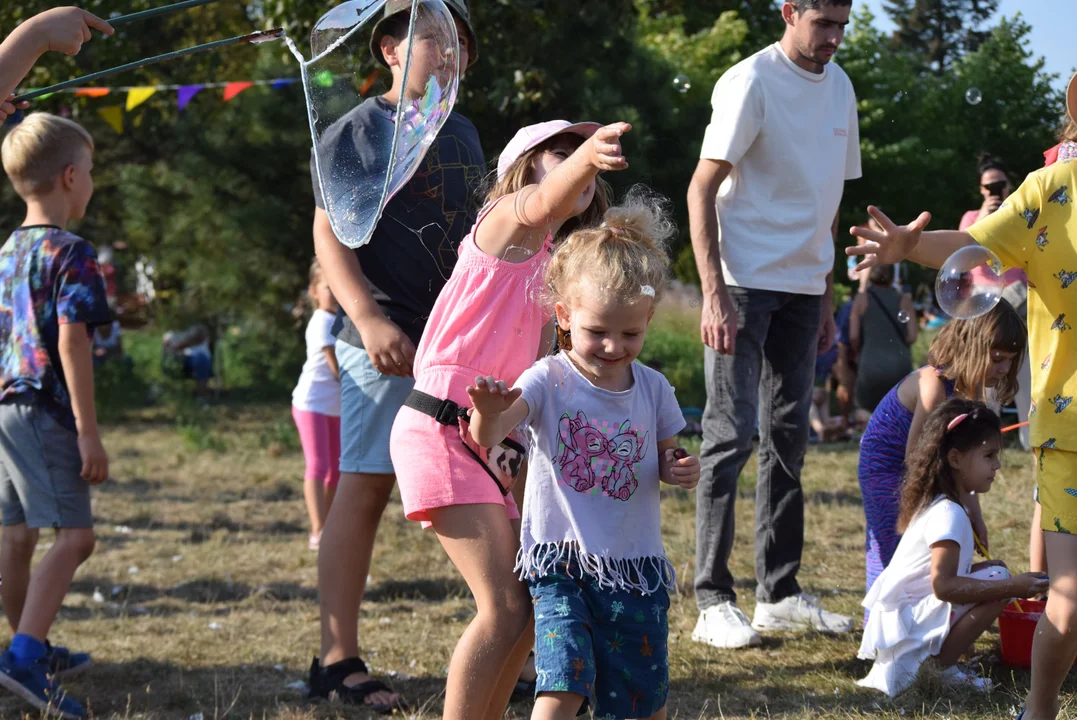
{"points": [[1036, 230], [48, 277]]}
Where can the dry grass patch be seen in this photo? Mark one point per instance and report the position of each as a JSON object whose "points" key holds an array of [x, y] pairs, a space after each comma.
{"points": [[201, 596]]}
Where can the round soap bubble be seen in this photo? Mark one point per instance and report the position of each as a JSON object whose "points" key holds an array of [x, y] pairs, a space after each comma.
{"points": [[903, 317], [367, 142], [969, 283], [682, 83], [973, 96]]}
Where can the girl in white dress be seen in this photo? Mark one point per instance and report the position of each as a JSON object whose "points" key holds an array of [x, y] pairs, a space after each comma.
{"points": [[932, 600]]}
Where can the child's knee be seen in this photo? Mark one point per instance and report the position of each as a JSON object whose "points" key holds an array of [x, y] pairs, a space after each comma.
{"points": [[78, 542], [20, 539]]}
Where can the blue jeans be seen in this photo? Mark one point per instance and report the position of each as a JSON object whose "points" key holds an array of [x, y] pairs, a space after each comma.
{"points": [[768, 379]]}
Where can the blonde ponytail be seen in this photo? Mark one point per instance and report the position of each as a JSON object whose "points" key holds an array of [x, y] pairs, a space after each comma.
{"points": [[624, 258]]}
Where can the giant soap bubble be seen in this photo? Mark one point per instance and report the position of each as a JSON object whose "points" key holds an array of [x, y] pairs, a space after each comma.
{"points": [[365, 146], [969, 283]]}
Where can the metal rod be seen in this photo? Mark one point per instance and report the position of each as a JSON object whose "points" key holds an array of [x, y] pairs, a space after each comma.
{"points": [[163, 10], [255, 37]]}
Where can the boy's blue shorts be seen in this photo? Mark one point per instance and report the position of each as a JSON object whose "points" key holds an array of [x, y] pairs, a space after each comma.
{"points": [[609, 646]]}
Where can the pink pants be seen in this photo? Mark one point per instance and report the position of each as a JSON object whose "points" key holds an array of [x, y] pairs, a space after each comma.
{"points": [[320, 436]]}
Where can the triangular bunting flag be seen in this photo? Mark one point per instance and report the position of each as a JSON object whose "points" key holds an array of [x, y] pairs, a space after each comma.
{"points": [[235, 88], [92, 92], [185, 93], [137, 96], [368, 83], [113, 116]]}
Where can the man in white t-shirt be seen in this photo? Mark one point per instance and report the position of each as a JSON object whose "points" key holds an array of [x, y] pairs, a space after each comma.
{"points": [[763, 205]]}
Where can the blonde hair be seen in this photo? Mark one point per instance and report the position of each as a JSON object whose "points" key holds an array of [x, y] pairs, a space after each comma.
{"points": [[39, 149], [315, 271], [519, 175], [1068, 131], [624, 258], [962, 351]]}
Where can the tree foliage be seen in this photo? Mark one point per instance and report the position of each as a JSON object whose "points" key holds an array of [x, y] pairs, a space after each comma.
{"points": [[940, 30], [218, 196]]}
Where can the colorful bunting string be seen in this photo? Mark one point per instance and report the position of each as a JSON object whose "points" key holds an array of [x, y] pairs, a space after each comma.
{"points": [[113, 115]]}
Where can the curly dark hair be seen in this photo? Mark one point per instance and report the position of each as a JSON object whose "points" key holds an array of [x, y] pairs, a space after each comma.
{"points": [[929, 473]]}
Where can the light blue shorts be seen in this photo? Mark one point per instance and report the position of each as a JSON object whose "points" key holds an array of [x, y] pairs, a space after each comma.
{"points": [[369, 402]]}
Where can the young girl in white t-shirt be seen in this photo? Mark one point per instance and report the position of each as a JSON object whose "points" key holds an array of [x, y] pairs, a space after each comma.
{"points": [[603, 434], [932, 600], [316, 406]]}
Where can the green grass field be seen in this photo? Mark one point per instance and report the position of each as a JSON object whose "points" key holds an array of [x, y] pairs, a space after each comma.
{"points": [[201, 596]]}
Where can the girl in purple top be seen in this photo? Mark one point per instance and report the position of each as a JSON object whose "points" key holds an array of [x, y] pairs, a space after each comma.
{"points": [[966, 358]]}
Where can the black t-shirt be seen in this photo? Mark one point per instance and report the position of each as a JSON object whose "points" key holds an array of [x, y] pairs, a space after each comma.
{"points": [[414, 247]]}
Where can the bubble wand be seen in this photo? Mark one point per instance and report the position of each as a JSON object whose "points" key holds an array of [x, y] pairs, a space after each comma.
{"points": [[254, 38], [983, 551]]}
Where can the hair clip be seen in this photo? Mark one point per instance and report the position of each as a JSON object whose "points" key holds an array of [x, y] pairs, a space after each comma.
{"points": [[646, 290], [956, 421]]}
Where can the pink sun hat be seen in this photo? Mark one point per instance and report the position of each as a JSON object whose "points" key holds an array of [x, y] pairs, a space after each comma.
{"points": [[534, 135]]}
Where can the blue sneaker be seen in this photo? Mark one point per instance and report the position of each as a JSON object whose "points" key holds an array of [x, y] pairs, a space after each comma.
{"points": [[34, 685], [63, 663]]}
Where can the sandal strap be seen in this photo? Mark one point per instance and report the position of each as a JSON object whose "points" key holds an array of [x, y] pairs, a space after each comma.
{"points": [[336, 672]]}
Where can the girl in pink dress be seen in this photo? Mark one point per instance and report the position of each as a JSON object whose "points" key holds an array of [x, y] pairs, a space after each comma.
{"points": [[490, 320]]}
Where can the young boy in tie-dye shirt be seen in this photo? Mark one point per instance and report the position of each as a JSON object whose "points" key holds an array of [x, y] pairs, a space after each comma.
{"points": [[52, 296]]}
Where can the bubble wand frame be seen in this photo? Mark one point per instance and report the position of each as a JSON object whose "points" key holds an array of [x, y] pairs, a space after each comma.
{"points": [[260, 36]]}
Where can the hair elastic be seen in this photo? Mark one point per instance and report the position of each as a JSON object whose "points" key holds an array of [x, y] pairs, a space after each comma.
{"points": [[956, 421]]}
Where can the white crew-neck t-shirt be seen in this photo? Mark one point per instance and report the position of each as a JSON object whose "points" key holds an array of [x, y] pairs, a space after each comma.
{"points": [[318, 389], [792, 139]]}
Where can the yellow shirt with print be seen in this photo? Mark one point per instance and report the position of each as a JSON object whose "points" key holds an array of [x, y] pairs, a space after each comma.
{"points": [[1036, 229]]}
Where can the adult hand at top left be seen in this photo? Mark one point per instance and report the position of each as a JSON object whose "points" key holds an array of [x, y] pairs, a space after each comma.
{"points": [[685, 470]]}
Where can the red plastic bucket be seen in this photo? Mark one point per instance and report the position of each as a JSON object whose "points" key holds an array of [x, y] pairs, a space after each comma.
{"points": [[1016, 630]]}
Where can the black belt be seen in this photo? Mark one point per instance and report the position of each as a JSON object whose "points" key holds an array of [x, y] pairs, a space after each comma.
{"points": [[447, 412]]}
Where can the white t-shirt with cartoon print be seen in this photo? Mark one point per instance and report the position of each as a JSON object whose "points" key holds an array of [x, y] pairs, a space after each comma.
{"points": [[593, 475]]}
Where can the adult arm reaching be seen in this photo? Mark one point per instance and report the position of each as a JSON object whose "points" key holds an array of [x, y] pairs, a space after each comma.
{"points": [[895, 243]]}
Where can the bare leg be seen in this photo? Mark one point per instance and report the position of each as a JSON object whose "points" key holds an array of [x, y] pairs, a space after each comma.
{"points": [[556, 706], [343, 564], [660, 715], [330, 492], [317, 508], [482, 545], [1037, 551], [52, 579], [965, 631], [16, 555], [1055, 643]]}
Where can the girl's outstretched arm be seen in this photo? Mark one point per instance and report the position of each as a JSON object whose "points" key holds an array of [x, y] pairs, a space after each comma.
{"points": [[496, 411], [956, 589], [553, 200]]}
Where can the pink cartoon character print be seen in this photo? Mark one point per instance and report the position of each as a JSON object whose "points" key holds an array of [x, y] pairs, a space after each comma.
{"points": [[625, 451], [582, 443]]}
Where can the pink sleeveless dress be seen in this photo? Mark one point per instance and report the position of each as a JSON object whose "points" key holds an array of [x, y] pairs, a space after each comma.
{"points": [[488, 320]]}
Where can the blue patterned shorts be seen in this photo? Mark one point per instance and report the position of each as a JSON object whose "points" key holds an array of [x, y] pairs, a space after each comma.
{"points": [[608, 646]]}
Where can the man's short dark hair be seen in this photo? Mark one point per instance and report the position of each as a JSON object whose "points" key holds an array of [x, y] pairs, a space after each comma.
{"points": [[804, 5]]}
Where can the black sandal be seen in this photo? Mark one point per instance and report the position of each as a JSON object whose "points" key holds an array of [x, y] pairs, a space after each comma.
{"points": [[327, 682], [525, 690]]}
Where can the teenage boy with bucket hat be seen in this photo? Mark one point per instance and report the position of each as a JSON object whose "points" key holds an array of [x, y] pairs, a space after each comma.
{"points": [[1036, 230], [386, 290]]}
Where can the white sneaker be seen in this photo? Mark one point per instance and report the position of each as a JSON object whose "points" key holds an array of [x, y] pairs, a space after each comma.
{"points": [[799, 612], [953, 676], [725, 626]]}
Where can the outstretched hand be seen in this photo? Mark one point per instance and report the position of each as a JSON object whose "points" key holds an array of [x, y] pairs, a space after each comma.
{"points": [[65, 29], [606, 152], [491, 397], [890, 246]]}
